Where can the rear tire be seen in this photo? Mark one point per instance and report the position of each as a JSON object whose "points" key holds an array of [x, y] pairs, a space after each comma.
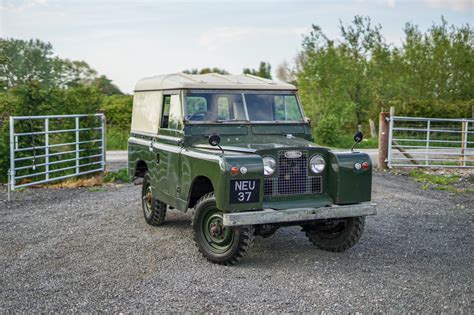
{"points": [[335, 235], [154, 210], [217, 243]]}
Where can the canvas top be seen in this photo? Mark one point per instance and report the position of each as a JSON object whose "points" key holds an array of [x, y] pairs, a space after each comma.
{"points": [[209, 81]]}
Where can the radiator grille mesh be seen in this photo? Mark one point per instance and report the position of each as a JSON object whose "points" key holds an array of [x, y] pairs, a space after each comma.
{"points": [[292, 178]]}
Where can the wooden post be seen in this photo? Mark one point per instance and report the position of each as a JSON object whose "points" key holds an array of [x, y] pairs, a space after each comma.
{"points": [[373, 131], [383, 140]]}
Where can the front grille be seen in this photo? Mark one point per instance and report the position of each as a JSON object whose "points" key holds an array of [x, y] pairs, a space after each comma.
{"points": [[292, 178]]}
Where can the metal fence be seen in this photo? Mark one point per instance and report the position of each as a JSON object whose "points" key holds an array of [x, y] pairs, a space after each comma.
{"points": [[49, 148], [431, 142]]}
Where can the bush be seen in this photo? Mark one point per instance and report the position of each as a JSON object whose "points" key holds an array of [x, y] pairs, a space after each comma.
{"points": [[435, 108], [118, 110], [117, 138], [327, 131]]}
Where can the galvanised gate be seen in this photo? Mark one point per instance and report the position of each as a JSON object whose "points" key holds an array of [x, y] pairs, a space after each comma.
{"points": [[49, 148], [431, 142]]}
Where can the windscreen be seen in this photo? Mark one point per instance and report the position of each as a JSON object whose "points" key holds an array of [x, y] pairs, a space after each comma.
{"points": [[241, 106]]}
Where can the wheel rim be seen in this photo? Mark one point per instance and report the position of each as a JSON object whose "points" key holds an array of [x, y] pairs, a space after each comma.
{"points": [[218, 238], [147, 200]]}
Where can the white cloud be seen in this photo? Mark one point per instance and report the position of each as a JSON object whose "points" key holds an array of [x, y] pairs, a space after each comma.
{"points": [[455, 5], [216, 37], [21, 5]]}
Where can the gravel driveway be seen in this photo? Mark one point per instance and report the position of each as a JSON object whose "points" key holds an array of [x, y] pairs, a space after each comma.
{"points": [[90, 249]]}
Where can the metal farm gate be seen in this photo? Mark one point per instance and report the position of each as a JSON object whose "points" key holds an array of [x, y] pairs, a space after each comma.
{"points": [[431, 142], [50, 148]]}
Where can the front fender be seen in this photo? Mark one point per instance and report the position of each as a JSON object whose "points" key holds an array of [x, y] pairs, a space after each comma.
{"points": [[217, 169]]}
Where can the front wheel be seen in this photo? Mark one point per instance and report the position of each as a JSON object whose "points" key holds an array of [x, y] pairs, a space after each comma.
{"points": [[218, 243], [335, 235]]}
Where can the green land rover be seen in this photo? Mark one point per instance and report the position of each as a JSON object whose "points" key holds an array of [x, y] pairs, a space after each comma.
{"points": [[238, 151]]}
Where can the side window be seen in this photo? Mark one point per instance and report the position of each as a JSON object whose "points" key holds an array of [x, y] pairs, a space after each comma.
{"points": [[165, 117], [223, 108], [171, 117]]}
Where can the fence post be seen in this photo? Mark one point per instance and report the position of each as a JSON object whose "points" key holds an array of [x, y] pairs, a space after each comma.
{"points": [[464, 131], [428, 130], [103, 123], [383, 140], [46, 144], [11, 173], [373, 131]]}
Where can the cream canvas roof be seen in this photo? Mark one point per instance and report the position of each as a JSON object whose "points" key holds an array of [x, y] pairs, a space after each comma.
{"points": [[209, 81]]}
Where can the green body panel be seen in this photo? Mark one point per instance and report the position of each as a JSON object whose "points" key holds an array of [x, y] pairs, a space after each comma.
{"points": [[346, 184]]}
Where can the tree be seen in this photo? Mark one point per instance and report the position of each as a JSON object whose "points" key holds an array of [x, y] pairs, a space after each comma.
{"points": [[333, 77], [264, 70], [285, 73], [24, 61], [106, 86]]}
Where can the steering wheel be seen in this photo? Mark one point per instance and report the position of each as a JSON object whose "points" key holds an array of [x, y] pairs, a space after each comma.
{"points": [[202, 115]]}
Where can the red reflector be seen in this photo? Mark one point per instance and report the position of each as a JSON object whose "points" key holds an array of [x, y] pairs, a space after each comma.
{"points": [[365, 165], [234, 170]]}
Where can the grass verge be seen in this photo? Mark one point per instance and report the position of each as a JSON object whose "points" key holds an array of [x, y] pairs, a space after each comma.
{"points": [[453, 183]]}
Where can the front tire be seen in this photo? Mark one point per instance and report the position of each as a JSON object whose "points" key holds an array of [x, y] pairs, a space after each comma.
{"points": [[216, 242], [154, 210], [335, 235]]}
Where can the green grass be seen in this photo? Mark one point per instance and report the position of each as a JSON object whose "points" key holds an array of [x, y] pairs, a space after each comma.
{"points": [[119, 176], [96, 189], [434, 179], [440, 182], [117, 139]]}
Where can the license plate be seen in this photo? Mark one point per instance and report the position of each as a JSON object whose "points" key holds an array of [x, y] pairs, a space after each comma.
{"points": [[244, 191]]}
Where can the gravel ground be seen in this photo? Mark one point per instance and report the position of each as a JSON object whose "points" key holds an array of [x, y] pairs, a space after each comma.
{"points": [[90, 249]]}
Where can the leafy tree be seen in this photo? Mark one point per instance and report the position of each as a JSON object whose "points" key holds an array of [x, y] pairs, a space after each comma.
{"points": [[23, 61], [430, 74], [264, 70], [27, 61], [339, 70], [106, 86], [285, 73]]}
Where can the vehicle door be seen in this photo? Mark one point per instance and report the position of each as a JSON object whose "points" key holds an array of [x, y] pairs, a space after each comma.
{"points": [[167, 148]]}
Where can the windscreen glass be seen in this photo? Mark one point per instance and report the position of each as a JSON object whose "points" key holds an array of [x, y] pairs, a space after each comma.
{"points": [[241, 106]]}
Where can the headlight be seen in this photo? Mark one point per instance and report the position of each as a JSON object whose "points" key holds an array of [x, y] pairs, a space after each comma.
{"points": [[317, 164], [269, 165]]}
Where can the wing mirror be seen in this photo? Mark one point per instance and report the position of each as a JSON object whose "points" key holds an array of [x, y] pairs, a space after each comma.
{"points": [[357, 139], [214, 141]]}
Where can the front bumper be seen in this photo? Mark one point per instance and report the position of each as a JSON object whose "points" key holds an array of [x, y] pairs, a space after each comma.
{"points": [[269, 216]]}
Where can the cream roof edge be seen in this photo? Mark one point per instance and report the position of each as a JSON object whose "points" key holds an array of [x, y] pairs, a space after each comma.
{"points": [[210, 81]]}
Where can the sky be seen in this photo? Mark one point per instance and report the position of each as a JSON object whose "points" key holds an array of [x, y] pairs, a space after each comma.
{"points": [[129, 40]]}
